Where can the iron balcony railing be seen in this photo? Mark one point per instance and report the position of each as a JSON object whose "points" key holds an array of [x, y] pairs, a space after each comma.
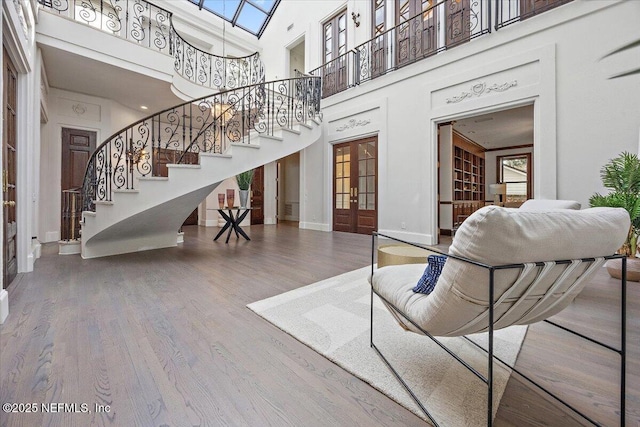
{"points": [[210, 124], [151, 26], [445, 25]]}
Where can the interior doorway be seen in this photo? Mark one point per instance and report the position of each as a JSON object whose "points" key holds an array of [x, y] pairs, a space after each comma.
{"points": [[296, 58], [288, 191], [476, 155], [9, 169], [355, 186]]}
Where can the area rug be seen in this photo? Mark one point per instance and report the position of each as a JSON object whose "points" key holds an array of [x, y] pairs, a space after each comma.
{"points": [[332, 317]]}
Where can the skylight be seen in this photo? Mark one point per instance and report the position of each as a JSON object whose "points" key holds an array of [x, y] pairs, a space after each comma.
{"points": [[250, 15]]}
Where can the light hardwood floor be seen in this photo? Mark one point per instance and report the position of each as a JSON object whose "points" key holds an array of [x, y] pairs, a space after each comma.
{"points": [[164, 338]]}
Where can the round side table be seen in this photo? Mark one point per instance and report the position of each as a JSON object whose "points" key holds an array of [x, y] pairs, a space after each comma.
{"points": [[394, 254]]}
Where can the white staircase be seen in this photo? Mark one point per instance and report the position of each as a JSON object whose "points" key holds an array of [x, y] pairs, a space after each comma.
{"points": [[150, 216]]}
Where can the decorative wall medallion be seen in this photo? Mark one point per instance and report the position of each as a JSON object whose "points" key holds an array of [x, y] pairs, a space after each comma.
{"points": [[353, 123], [79, 109], [481, 88]]}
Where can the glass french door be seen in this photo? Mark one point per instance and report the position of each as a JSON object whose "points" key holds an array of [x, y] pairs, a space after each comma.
{"points": [[355, 186]]}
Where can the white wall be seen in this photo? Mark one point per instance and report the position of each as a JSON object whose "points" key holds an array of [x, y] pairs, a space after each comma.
{"points": [[553, 60], [77, 111]]}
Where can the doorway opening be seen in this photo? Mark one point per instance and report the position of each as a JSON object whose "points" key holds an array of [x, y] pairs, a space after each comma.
{"points": [[476, 156], [288, 197]]}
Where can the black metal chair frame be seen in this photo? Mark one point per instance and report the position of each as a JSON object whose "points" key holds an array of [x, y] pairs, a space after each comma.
{"points": [[488, 380]]}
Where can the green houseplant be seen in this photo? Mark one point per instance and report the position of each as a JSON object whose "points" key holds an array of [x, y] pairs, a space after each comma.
{"points": [[622, 177], [244, 183]]}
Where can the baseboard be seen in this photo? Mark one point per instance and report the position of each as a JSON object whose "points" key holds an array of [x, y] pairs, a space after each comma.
{"points": [[270, 220], [4, 305], [209, 222], [72, 247], [315, 226], [180, 238], [423, 239]]}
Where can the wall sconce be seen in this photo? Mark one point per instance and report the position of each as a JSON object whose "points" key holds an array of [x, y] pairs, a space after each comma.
{"points": [[356, 18]]}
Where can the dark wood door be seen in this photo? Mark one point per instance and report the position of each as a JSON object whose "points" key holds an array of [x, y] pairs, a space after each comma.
{"points": [[77, 147], [457, 22], [334, 73], [416, 30], [355, 186], [529, 8], [257, 196], [9, 172]]}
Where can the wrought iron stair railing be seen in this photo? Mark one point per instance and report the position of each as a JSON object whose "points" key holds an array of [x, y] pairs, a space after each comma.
{"points": [[151, 26], [210, 124]]}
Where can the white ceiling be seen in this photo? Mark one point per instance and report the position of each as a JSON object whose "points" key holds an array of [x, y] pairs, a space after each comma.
{"points": [[499, 129], [80, 74]]}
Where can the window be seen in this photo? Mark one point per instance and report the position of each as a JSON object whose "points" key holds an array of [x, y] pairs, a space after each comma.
{"points": [[515, 171], [379, 18]]}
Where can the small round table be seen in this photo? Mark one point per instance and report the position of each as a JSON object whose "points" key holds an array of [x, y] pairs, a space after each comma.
{"points": [[395, 254]]}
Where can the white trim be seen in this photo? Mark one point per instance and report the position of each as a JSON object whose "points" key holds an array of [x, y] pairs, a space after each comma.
{"points": [[315, 226], [424, 239], [4, 305]]}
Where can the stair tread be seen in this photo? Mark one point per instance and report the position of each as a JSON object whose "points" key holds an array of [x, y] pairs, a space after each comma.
{"points": [[124, 191], [240, 144], [153, 178], [183, 166]]}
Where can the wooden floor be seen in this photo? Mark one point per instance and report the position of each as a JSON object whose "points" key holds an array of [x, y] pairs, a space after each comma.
{"points": [[164, 338]]}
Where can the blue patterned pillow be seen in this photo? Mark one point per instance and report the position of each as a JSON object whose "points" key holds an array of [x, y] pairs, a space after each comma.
{"points": [[428, 281]]}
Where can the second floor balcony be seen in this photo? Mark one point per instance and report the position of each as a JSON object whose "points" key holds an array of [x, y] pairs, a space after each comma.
{"points": [[440, 27]]}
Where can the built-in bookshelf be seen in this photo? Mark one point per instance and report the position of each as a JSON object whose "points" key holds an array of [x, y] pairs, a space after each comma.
{"points": [[468, 172]]}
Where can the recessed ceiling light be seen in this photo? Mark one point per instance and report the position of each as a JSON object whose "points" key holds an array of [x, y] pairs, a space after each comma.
{"points": [[144, 107]]}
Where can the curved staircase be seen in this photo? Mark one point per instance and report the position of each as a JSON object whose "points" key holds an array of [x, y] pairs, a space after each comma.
{"points": [[129, 206]]}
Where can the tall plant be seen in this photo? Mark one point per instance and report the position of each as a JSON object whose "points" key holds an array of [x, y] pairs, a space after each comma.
{"points": [[244, 179], [622, 176]]}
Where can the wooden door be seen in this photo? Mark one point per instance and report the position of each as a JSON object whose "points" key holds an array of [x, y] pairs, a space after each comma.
{"points": [[355, 186], [9, 172], [528, 8], [257, 196], [334, 73], [379, 41], [416, 30], [457, 22], [77, 147]]}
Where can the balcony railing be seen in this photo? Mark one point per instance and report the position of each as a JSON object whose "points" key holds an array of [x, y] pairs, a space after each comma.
{"points": [[151, 26], [207, 125], [443, 26]]}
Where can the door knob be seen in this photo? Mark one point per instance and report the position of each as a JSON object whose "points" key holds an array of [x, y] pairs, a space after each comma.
{"points": [[10, 203]]}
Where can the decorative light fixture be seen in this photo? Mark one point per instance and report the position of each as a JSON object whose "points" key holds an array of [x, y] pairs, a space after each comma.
{"points": [[356, 18]]}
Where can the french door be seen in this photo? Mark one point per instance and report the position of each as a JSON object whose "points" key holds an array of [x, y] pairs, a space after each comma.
{"points": [[334, 72], [416, 32], [9, 173], [457, 16], [355, 186]]}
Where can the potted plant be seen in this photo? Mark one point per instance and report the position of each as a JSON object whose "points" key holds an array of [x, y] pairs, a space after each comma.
{"points": [[244, 182], [622, 176]]}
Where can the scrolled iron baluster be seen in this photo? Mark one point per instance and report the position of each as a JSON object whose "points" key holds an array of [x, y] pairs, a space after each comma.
{"points": [[60, 5], [113, 24], [137, 27], [160, 40], [189, 62], [218, 79], [119, 178], [203, 69], [88, 12], [177, 54]]}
